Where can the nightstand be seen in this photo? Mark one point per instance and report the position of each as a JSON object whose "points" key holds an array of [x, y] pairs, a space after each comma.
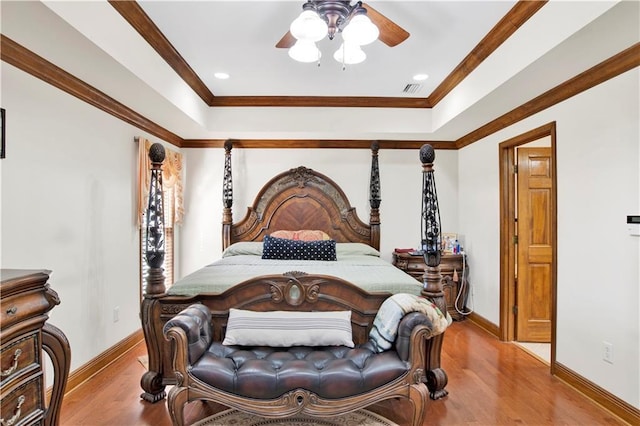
{"points": [[415, 266]]}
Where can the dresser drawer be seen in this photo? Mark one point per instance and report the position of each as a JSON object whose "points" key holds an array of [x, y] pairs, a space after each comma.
{"points": [[20, 307], [23, 405], [416, 267], [401, 263], [17, 356]]}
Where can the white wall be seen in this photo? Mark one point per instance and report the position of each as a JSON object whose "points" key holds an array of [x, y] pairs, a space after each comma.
{"points": [[68, 205], [401, 186], [598, 144]]}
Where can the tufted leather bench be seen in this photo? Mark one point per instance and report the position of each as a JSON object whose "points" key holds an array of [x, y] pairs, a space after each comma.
{"points": [[281, 382]]}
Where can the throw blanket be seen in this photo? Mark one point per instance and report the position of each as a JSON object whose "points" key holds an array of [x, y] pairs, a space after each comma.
{"points": [[385, 324]]}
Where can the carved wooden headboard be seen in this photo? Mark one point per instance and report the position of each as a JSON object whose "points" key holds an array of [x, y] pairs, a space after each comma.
{"points": [[302, 198]]}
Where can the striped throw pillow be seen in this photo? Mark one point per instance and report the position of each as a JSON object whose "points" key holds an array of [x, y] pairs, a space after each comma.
{"points": [[288, 328]]}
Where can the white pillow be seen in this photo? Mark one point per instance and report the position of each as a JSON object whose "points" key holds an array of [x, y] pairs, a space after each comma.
{"points": [[355, 249], [288, 328], [252, 248]]}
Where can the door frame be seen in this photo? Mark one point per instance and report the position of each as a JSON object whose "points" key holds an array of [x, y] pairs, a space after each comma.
{"points": [[508, 252]]}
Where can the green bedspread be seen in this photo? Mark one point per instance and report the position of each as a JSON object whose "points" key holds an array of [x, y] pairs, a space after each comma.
{"points": [[357, 263]]}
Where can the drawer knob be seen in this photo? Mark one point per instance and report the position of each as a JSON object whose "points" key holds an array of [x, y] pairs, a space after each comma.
{"points": [[12, 310], [16, 416], [8, 371]]}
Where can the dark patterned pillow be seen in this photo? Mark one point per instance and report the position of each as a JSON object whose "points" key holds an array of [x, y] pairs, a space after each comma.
{"points": [[283, 249]]}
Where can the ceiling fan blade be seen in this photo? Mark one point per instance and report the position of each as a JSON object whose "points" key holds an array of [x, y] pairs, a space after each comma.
{"points": [[391, 33], [286, 41]]}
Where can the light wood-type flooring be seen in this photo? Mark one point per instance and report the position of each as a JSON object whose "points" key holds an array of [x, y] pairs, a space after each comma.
{"points": [[490, 383]]}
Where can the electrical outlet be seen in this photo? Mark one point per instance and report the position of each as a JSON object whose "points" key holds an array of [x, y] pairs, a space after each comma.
{"points": [[116, 314], [607, 352]]}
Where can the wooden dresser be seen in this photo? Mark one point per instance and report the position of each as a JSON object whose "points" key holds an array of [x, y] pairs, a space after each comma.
{"points": [[25, 300], [451, 266]]}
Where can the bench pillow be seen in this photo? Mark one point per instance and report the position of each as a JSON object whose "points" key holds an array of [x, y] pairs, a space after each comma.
{"points": [[288, 328]]}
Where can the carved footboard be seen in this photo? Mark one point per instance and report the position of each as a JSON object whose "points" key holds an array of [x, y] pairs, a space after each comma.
{"points": [[290, 291]]}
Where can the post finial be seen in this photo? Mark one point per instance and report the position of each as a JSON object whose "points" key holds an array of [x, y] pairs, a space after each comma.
{"points": [[427, 154], [156, 153]]}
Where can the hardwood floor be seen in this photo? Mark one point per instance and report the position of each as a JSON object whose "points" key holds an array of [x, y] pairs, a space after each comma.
{"points": [[490, 383]]}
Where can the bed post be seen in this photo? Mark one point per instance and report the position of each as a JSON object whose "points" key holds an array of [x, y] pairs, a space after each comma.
{"points": [[227, 196], [154, 250], [431, 250], [151, 381], [374, 196]]}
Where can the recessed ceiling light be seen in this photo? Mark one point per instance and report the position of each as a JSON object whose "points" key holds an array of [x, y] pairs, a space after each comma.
{"points": [[221, 75], [420, 77]]}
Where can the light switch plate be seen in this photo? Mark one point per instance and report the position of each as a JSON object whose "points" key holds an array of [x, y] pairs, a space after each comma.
{"points": [[633, 225]]}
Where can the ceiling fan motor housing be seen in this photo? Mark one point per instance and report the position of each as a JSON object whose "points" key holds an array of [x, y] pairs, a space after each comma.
{"points": [[336, 13]]}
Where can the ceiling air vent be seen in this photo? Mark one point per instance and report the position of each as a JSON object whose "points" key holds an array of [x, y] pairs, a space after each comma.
{"points": [[411, 88]]}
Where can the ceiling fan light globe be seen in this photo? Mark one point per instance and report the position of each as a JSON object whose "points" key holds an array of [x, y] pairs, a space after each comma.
{"points": [[308, 26], [360, 31], [349, 54], [305, 51]]}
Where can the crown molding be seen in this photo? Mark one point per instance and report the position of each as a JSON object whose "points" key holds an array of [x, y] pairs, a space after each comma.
{"points": [[509, 24], [140, 21], [605, 70], [319, 101], [27, 61], [315, 143]]}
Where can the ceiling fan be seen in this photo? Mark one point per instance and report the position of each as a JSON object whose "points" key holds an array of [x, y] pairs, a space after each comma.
{"points": [[337, 14]]}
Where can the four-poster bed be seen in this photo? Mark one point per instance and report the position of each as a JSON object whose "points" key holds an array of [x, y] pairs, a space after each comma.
{"points": [[298, 199]]}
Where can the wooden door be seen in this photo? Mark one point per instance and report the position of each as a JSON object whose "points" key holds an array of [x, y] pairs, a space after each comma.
{"points": [[535, 248]]}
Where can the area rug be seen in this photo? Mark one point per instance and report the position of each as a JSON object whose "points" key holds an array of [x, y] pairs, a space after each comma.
{"points": [[237, 418], [144, 360]]}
